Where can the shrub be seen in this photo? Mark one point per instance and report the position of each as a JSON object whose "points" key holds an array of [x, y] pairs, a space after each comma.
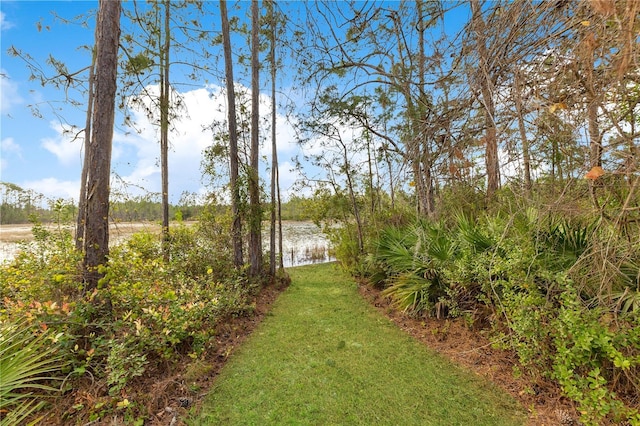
{"points": [[591, 354], [409, 264], [562, 293], [29, 365], [145, 314], [344, 241], [48, 268]]}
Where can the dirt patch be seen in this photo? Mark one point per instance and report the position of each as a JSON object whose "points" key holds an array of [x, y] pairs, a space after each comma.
{"points": [[469, 349]]}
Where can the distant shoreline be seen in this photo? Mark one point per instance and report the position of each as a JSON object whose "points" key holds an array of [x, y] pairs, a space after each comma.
{"points": [[20, 232], [301, 240], [15, 233]]}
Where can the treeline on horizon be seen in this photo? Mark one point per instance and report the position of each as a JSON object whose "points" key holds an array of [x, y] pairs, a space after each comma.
{"points": [[20, 206]]}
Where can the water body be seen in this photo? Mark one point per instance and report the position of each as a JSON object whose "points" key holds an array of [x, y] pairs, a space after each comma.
{"points": [[302, 242]]}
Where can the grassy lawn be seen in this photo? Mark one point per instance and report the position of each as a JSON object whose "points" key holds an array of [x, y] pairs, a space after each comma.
{"points": [[325, 357]]}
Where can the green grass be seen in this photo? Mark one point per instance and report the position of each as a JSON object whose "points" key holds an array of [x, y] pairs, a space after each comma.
{"points": [[325, 357]]}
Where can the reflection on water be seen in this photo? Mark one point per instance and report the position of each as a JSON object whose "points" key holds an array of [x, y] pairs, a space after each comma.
{"points": [[302, 243]]}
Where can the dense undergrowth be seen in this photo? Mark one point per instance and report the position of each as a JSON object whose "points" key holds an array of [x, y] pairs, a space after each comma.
{"points": [[146, 314], [557, 283], [560, 288]]}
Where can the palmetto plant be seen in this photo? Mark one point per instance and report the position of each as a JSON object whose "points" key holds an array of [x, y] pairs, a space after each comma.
{"points": [[27, 364], [628, 299], [412, 258], [476, 238], [411, 293], [394, 248], [564, 242]]}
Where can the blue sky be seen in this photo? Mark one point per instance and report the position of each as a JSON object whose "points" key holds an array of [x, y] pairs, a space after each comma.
{"points": [[32, 152], [38, 150]]}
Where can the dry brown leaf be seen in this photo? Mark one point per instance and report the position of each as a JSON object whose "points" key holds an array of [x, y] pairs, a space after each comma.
{"points": [[594, 173], [557, 106]]}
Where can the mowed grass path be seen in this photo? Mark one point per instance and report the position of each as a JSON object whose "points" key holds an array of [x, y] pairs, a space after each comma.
{"points": [[324, 356]]}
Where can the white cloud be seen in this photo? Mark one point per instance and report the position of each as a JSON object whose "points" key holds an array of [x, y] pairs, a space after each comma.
{"points": [[4, 24], [8, 145], [9, 149], [189, 137], [135, 154], [187, 141], [8, 93], [52, 188], [66, 150]]}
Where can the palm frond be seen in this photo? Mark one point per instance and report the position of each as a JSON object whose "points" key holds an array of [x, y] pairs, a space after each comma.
{"points": [[473, 236], [396, 248], [26, 365], [409, 292], [627, 301]]}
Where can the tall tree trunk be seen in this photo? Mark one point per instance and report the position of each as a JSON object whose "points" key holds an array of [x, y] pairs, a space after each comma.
{"points": [[372, 193], [595, 138], [352, 197], [588, 46], [429, 187], [414, 145], [554, 162], [274, 150], [425, 158], [97, 190], [526, 160], [164, 128], [82, 200], [415, 155], [487, 90], [236, 230], [387, 158], [279, 204], [275, 156], [255, 221], [418, 178]]}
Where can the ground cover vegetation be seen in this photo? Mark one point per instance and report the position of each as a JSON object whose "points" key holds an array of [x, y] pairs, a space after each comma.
{"points": [[543, 256], [485, 171], [561, 293], [556, 288], [147, 318], [325, 356]]}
